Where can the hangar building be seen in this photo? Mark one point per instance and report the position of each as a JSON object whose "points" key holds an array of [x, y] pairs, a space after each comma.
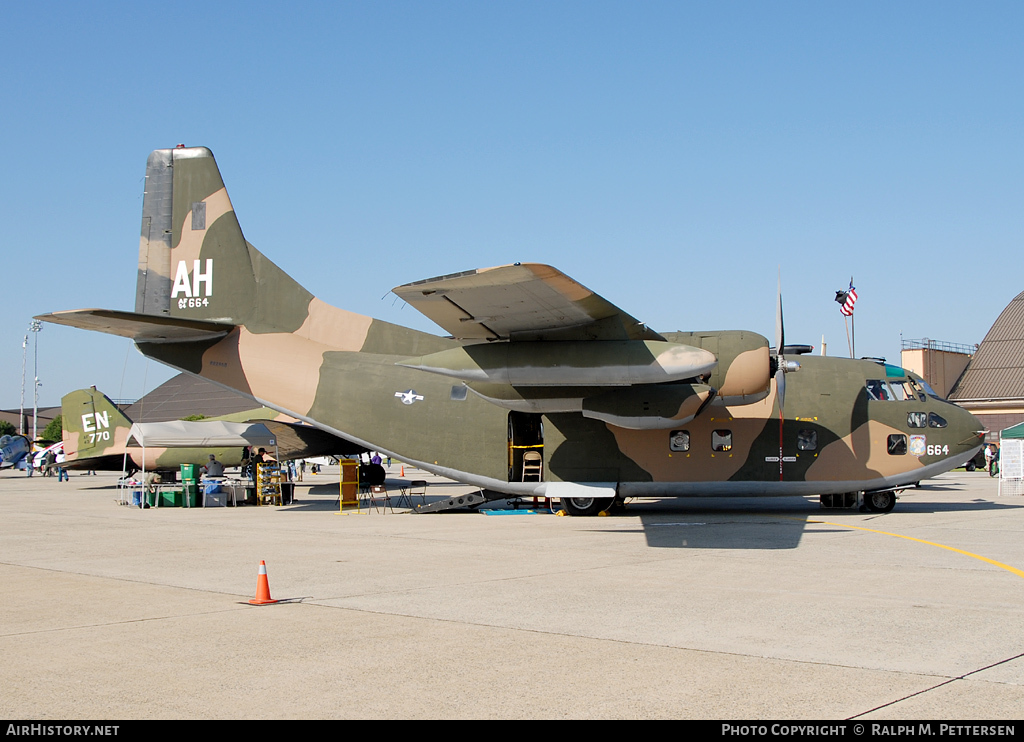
{"points": [[992, 387]]}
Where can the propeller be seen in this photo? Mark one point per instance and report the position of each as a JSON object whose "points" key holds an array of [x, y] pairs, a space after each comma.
{"points": [[780, 343], [782, 366]]}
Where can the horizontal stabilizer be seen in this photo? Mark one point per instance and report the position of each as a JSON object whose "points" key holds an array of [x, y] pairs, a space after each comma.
{"points": [[142, 328]]}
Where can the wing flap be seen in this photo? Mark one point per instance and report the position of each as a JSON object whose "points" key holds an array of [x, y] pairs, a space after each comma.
{"points": [[527, 301]]}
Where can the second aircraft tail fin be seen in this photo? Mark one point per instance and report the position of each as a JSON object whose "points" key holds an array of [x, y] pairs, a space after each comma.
{"points": [[93, 425]]}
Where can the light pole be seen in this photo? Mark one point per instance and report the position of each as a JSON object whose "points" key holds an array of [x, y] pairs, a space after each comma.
{"points": [[21, 417], [35, 327]]}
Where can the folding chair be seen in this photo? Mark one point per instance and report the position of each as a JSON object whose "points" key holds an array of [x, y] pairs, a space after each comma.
{"points": [[417, 487], [379, 490], [532, 465]]}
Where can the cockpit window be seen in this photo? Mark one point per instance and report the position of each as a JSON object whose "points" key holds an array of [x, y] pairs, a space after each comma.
{"points": [[898, 390], [929, 390], [917, 419], [917, 390], [878, 389], [902, 389], [936, 421]]}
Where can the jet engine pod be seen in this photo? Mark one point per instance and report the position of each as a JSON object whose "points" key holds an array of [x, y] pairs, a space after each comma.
{"points": [[649, 407], [570, 363]]}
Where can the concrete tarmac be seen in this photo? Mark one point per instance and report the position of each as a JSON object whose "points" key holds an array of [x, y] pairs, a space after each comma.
{"points": [[710, 609]]}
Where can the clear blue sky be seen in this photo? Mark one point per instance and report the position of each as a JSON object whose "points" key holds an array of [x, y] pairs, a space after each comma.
{"points": [[670, 156]]}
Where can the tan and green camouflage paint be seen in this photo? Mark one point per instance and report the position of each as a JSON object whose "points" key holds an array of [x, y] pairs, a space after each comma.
{"points": [[341, 371], [96, 438], [826, 396]]}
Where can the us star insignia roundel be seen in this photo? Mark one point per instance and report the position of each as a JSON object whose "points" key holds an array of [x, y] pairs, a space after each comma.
{"points": [[408, 397]]}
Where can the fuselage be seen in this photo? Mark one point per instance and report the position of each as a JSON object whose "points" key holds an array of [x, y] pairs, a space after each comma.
{"points": [[840, 432]]}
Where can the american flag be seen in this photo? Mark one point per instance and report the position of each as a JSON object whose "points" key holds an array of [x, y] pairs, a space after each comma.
{"points": [[846, 300]]}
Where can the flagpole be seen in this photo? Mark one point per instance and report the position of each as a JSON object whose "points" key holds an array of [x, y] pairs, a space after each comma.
{"points": [[846, 300], [853, 327]]}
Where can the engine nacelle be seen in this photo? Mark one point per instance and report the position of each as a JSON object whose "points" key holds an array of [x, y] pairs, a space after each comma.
{"points": [[595, 363], [744, 373]]}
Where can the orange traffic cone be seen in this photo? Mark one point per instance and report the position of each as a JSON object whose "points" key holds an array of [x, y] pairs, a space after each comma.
{"points": [[262, 587], [403, 471]]}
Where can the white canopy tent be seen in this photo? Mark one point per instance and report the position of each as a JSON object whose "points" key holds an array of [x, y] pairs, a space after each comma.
{"points": [[197, 434], [200, 434]]}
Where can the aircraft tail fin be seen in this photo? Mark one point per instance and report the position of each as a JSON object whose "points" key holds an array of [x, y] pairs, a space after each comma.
{"points": [[93, 425], [197, 273], [194, 262]]}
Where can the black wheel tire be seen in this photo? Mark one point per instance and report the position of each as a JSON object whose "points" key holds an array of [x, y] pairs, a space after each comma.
{"points": [[372, 474], [970, 466], [585, 505], [880, 502]]}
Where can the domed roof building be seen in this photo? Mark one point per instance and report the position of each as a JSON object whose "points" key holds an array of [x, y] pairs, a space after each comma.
{"points": [[992, 387]]}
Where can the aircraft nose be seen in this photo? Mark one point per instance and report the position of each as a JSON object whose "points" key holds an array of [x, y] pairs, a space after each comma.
{"points": [[968, 430]]}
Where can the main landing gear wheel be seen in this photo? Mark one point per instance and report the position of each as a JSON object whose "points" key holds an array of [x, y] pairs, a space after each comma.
{"points": [[372, 474], [879, 502], [585, 505]]}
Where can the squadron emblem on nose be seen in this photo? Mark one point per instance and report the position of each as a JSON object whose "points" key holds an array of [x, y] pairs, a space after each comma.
{"points": [[408, 397]]}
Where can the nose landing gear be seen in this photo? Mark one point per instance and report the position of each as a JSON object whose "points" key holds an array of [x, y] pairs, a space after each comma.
{"points": [[879, 502]]}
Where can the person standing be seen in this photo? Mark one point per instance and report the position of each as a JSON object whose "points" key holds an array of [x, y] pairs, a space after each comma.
{"points": [[254, 463]]}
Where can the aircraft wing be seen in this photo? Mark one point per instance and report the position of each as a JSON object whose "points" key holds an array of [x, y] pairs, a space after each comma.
{"points": [[143, 328], [525, 301]]}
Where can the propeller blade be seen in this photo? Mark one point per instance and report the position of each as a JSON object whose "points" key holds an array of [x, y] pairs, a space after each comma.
{"points": [[780, 387], [780, 331]]}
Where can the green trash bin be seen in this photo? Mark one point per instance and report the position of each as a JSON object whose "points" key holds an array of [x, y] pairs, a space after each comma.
{"points": [[190, 494], [170, 498], [188, 473]]}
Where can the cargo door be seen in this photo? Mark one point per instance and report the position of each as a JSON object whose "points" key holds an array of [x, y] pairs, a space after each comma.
{"points": [[525, 447]]}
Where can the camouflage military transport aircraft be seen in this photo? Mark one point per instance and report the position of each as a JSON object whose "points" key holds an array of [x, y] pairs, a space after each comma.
{"points": [[96, 437], [543, 389]]}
